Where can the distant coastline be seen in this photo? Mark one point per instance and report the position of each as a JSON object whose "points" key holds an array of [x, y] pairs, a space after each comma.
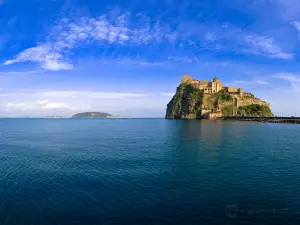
{"points": [[92, 115]]}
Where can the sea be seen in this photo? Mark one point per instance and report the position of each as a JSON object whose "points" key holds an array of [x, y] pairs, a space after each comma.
{"points": [[148, 171]]}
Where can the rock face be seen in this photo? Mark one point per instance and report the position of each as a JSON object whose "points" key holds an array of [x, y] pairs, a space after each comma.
{"points": [[92, 115], [193, 100], [186, 103]]}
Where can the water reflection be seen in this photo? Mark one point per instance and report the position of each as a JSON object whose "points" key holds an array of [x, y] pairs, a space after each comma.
{"points": [[204, 135]]}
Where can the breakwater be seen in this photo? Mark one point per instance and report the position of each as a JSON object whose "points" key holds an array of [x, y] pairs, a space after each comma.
{"points": [[295, 120]]}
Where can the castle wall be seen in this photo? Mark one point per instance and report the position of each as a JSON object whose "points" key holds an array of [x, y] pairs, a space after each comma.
{"points": [[213, 105], [203, 86], [251, 101], [211, 115], [241, 98], [232, 90]]}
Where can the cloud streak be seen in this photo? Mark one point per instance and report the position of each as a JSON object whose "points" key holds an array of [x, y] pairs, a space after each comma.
{"points": [[183, 59], [167, 94], [40, 105], [135, 62], [75, 94], [296, 24], [43, 54], [251, 82], [266, 46], [139, 30], [293, 79], [43, 102], [228, 38], [68, 35]]}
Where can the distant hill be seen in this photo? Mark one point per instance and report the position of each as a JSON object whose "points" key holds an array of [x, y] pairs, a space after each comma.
{"points": [[92, 115]]}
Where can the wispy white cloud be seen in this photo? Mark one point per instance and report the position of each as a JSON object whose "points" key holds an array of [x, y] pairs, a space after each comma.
{"points": [[230, 38], [125, 29], [43, 54], [292, 78], [51, 102], [68, 35], [167, 94], [288, 76], [296, 24], [74, 94], [261, 45], [262, 82], [183, 59], [135, 62], [42, 105], [10, 73], [251, 82]]}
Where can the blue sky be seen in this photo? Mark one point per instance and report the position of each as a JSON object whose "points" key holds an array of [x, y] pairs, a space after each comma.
{"points": [[59, 57]]}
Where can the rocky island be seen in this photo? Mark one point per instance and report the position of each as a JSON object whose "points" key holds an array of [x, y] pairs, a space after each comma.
{"points": [[198, 99], [96, 115], [91, 115]]}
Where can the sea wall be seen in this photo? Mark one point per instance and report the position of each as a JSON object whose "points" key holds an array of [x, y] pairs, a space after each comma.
{"points": [[293, 120]]}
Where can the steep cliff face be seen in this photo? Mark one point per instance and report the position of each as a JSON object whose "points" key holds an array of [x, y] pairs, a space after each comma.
{"points": [[190, 102], [186, 103]]}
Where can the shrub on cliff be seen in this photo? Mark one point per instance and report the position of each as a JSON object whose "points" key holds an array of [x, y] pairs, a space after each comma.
{"points": [[228, 110], [224, 96], [191, 99], [254, 110], [186, 101]]}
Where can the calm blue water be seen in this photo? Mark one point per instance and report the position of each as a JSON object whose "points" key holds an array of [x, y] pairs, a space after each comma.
{"points": [[148, 171]]}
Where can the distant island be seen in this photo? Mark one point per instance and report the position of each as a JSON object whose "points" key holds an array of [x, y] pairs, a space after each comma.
{"points": [[97, 115], [198, 99]]}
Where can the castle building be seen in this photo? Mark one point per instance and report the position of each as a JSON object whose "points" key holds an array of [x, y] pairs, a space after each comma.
{"points": [[210, 87]]}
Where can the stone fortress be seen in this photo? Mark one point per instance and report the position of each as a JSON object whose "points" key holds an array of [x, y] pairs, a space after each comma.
{"points": [[239, 97], [210, 87]]}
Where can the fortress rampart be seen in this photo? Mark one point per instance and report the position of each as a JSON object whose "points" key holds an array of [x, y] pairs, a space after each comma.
{"points": [[210, 87]]}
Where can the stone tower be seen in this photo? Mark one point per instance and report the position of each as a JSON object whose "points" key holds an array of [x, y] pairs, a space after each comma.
{"points": [[216, 85]]}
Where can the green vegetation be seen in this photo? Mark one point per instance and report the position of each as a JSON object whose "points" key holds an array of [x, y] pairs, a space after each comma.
{"points": [[254, 110], [221, 97], [187, 100], [228, 110], [249, 95], [191, 97], [224, 96], [250, 110], [212, 101]]}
